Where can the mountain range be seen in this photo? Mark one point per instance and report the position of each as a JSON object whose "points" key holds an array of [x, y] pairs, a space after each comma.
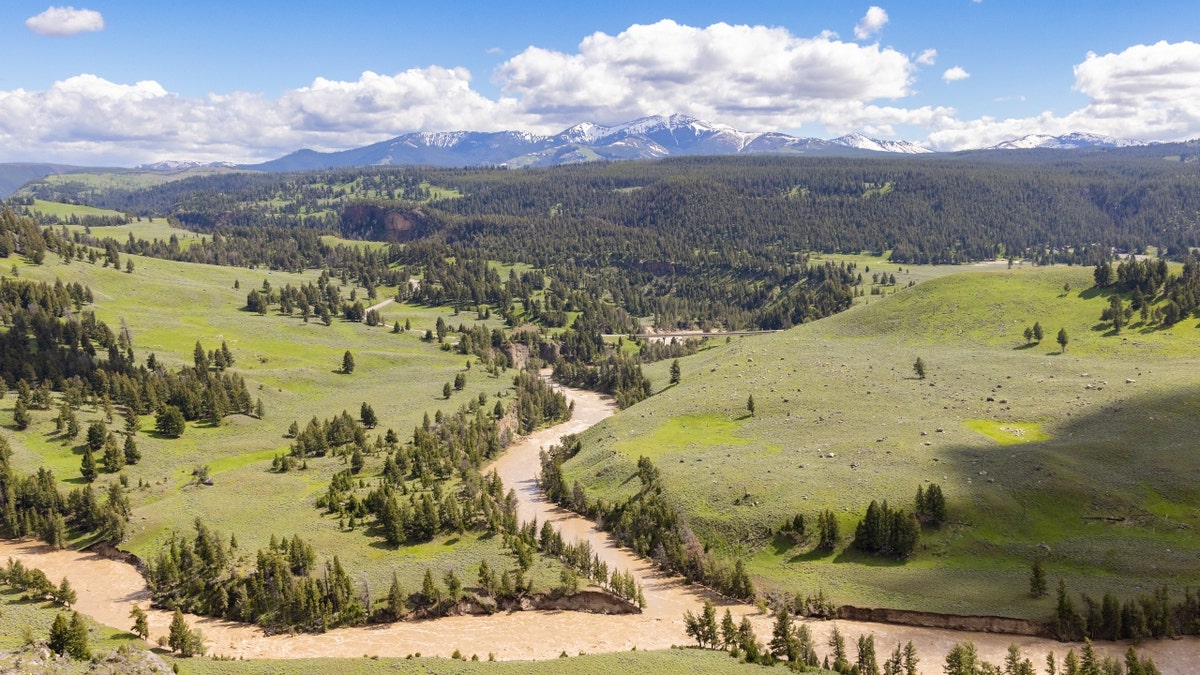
{"points": [[646, 138], [653, 137]]}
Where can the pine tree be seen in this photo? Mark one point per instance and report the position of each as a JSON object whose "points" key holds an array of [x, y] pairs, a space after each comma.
{"points": [[1038, 333], [396, 598], [77, 639], [429, 589], [65, 594], [867, 661], [1037, 580], [132, 455], [21, 416], [919, 368], [750, 405], [675, 373], [177, 638], [87, 467], [141, 626], [114, 458], [1063, 339], [728, 630], [347, 363], [838, 644], [784, 644], [59, 635]]}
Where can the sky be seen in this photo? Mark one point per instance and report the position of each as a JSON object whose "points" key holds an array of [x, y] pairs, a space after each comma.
{"points": [[124, 82]]}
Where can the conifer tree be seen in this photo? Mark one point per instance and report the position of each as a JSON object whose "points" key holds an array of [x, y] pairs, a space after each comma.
{"points": [[59, 635], [77, 639], [1037, 580], [141, 626], [87, 467]]}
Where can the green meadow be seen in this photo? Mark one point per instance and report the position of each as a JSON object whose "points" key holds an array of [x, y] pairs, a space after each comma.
{"points": [[292, 366], [1085, 459]]}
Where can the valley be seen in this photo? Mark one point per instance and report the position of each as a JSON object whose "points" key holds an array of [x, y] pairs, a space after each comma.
{"points": [[361, 380]]}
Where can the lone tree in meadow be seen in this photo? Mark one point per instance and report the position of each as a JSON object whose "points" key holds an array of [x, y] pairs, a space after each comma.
{"points": [[675, 374], [347, 363], [1063, 339], [750, 405], [919, 368], [1037, 580]]}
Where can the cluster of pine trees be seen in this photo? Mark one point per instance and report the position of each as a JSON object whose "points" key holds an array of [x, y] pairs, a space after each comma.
{"points": [[417, 495], [1147, 615], [282, 589], [893, 532], [1148, 283], [579, 558], [645, 522], [32, 506]]}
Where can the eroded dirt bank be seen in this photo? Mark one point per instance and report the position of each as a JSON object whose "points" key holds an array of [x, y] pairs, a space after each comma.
{"points": [[107, 589]]}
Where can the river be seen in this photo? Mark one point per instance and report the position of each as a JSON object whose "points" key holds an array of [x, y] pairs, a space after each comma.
{"points": [[107, 589]]}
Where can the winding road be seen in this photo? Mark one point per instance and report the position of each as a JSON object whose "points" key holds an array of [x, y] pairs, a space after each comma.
{"points": [[107, 589]]}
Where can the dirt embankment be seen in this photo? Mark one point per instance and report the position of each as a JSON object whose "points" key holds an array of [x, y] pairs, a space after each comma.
{"points": [[957, 622]]}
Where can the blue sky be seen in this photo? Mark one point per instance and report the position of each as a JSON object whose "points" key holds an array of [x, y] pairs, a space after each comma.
{"points": [[122, 82]]}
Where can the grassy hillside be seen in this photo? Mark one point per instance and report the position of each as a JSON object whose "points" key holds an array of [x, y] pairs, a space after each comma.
{"points": [[292, 366], [1031, 446]]}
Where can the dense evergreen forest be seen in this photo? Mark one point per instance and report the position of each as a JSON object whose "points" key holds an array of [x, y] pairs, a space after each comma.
{"points": [[694, 242]]}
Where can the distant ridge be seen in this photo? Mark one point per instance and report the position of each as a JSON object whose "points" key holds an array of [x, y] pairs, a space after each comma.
{"points": [[1072, 141], [653, 137], [14, 175]]}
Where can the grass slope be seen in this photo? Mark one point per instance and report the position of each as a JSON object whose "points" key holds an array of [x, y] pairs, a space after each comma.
{"points": [[1108, 430], [292, 366]]}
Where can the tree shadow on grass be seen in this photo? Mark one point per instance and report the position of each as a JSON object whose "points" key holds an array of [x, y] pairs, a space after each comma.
{"points": [[1023, 347], [850, 555], [811, 556], [782, 543]]}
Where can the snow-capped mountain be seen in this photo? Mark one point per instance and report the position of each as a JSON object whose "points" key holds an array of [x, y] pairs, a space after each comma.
{"points": [[1071, 141], [180, 165], [861, 142], [653, 137]]}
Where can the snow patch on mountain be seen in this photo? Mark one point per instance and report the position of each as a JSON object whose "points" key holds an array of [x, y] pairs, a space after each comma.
{"points": [[1071, 141], [180, 165], [857, 140]]}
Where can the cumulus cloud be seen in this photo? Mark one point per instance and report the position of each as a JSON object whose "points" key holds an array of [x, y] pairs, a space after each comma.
{"points": [[63, 21], [754, 78], [739, 74], [871, 23], [87, 119], [955, 74], [1146, 92]]}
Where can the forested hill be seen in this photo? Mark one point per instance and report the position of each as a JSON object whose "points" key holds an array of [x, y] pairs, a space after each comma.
{"points": [[706, 240]]}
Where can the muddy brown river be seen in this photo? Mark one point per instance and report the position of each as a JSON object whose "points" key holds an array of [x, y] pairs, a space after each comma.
{"points": [[107, 590]]}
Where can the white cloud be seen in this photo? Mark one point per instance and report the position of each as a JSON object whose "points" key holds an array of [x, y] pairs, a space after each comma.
{"points": [[754, 78], [871, 23], [737, 74], [955, 74], [1146, 92], [87, 119], [750, 77], [63, 21]]}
